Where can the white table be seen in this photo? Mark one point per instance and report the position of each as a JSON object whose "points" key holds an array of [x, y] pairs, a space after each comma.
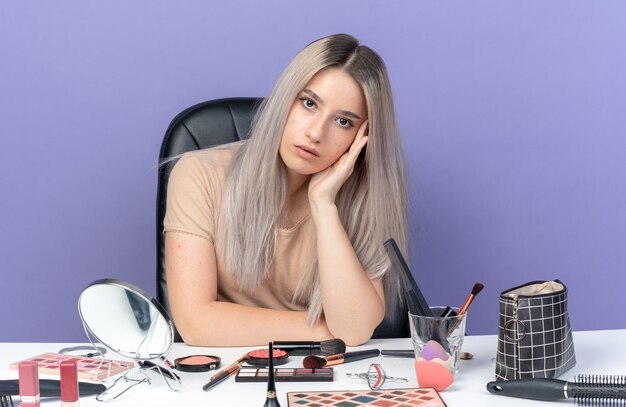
{"points": [[599, 352]]}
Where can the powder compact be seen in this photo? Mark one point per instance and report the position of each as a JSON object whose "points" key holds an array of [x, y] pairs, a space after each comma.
{"points": [[197, 363], [260, 357]]}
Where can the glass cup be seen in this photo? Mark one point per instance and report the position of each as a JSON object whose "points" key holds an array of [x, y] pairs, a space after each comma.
{"points": [[437, 340]]}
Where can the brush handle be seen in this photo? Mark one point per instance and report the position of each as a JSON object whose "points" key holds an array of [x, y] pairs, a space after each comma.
{"points": [[398, 353], [50, 388], [299, 348], [360, 354], [533, 389]]}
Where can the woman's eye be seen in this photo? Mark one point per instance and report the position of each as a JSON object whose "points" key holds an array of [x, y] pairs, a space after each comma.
{"points": [[308, 103], [343, 122]]}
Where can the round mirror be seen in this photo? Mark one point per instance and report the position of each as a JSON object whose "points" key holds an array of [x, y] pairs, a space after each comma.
{"points": [[126, 319]]}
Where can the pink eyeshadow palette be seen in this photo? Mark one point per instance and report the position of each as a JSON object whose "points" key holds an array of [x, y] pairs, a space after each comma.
{"points": [[50, 363], [298, 374], [381, 398]]}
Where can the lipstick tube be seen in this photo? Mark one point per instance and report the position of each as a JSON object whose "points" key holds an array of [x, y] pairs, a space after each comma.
{"points": [[69, 384], [29, 384]]}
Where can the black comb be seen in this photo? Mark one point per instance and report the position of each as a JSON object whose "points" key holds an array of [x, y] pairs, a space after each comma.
{"points": [[586, 390]]}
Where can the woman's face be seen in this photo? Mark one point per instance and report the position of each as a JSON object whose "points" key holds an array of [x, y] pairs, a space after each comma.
{"points": [[323, 122]]}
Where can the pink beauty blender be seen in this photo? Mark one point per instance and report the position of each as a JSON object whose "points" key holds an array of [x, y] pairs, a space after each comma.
{"points": [[432, 374]]}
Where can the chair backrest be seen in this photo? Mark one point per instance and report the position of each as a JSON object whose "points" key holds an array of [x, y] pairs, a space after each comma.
{"points": [[205, 125]]}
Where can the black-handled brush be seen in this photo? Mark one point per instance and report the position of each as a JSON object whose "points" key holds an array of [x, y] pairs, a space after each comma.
{"points": [[316, 362], [304, 348], [588, 390]]}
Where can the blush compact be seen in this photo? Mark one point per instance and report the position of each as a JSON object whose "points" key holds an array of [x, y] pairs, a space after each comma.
{"points": [[197, 363], [260, 357]]}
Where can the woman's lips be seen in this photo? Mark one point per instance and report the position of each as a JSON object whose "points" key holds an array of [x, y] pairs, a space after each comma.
{"points": [[307, 152]]}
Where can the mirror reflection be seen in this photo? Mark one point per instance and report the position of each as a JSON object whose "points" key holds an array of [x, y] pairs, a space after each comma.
{"points": [[126, 319]]}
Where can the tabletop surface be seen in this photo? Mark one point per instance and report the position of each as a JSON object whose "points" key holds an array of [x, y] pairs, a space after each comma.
{"points": [[597, 352]]}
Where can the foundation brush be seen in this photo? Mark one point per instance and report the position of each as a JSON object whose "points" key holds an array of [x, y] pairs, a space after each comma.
{"points": [[586, 390], [303, 348]]}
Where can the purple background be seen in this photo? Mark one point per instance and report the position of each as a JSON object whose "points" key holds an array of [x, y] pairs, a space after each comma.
{"points": [[512, 115]]}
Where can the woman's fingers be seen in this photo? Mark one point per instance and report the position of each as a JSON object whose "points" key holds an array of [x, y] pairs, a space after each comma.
{"points": [[357, 145]]}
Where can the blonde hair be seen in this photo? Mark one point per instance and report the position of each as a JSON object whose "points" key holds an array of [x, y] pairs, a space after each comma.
{"points": [[372, 202]]}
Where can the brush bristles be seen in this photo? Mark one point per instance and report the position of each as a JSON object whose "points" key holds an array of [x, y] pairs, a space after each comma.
{"points": [[6, 401], [332, 347], [313, 362], [599, 390], [602, 402], [478, 287]]}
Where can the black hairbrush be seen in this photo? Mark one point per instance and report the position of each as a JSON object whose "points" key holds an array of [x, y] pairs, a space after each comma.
{"points": [[587, 390]]}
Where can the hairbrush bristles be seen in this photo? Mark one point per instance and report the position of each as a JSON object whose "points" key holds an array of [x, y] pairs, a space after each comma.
{"points": [[587, 390], [6, 401], [599, 390]]}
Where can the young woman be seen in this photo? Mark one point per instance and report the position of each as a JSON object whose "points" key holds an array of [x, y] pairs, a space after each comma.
{"points": [[281, 237]]}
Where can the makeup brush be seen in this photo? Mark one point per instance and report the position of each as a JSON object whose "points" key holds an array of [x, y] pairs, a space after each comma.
{"points": [[304, 348], [271, 400], [224, 373], [316, 362], [588, 390], [413, 295], [478, 287]]}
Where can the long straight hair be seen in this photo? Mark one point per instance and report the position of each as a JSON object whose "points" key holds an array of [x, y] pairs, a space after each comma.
{"points": [[372, 203]]}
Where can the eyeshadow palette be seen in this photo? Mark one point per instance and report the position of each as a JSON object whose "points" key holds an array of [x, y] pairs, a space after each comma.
{"points": [[382, 398], [298, 374], [49, 363]]}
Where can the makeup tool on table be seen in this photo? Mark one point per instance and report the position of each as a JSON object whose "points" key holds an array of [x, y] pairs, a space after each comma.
{"points": [[29, 384], [149, 365], [303, 348], [409, 353], [127, 321], [197, 363], [31, 389], [271, 400], [285, 374], [261, 357], [91, 352], [413, 295], [401, 353], [376, 377], [384, 397], [49, 388], [69, 384], [587, 390], [225, 373], [315, 362], [88, 368], [478, 287]]}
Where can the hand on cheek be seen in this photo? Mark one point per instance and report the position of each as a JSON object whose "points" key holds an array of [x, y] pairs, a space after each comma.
{"points": [[324, 185]]}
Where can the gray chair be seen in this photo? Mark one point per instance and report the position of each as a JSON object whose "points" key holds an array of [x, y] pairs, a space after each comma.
{"points": [[205, 125]]}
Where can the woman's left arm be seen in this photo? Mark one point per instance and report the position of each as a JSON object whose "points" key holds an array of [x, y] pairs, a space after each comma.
{"points": [[353, 304]]}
